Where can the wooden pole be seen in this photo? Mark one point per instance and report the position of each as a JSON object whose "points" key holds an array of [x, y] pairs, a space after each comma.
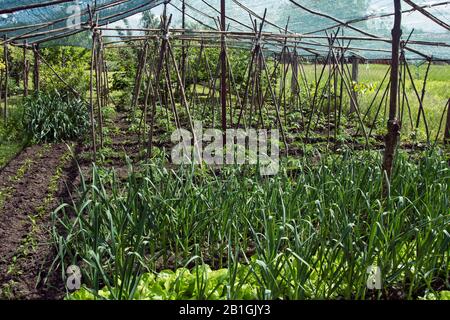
{"points": [[162, 53], [183, 48], [36, 68], [393, 125], [355, 74], [33, 6], [5, 56], [277, 107], [91, 98], [138, 79], [428, 15], [60, 78], [294, 79], [447, 126], [1, 83], [223, 82], [98, 83], [26, 68]]}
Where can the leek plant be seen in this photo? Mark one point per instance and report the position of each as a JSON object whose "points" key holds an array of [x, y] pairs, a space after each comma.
{"points": [[52, 117], [311, 232]]}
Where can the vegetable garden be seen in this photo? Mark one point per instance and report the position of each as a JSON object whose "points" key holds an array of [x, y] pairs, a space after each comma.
{"points": [[351, 199]]}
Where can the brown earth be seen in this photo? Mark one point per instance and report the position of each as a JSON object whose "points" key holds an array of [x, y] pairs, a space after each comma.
{"points": [[27, 200], [26, 246]]}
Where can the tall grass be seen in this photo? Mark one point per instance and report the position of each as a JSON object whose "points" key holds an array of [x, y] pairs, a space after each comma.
{"points": [[310, 232]]}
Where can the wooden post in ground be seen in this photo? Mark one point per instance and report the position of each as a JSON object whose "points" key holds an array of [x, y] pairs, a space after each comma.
{"points": [[223, 79], [91, 101], [1, 84], [139, 75], [5, 57], [393, 125], [162, 53], [91, 86], [294, 79], [183, 48], [36, 68], [98, 83], [26, 68], [447, 126], [355, 74]]}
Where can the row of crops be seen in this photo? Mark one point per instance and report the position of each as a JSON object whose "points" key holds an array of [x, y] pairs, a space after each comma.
{"points": [[311, 232]]}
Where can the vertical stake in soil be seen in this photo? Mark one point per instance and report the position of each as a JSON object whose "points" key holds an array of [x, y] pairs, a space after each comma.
{"points": [[355, 71], [5, 57], [36, 68], [393, 125], [447, 126], [183, 48], [139, 75], [98, 82], [223, 81], [165, 23], [26, 68], [91, 89]]}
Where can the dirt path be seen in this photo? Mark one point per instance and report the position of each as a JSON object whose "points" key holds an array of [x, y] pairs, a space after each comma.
{"points": [[31, 186]]}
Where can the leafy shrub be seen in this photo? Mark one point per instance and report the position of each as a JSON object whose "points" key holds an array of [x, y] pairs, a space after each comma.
{"points": [[51, 117], [121, 81], [71, 64]]}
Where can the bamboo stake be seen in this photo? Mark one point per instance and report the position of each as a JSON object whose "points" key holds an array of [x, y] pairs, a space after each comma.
{"points": [[6, 58], [164, 44], [33, 6], [223, 68], [91, 89], [98, 83], [393, 126], [26, 67], [138, 78], [447, 126], [277, 107], [36, 76]]}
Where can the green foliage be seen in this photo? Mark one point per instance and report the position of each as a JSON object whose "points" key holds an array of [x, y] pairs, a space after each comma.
{"points": [[200, 283], [51, 117], [12, 137], [363, 88], [121, 80], [205, 67], [15, 67], [443, 295], [12, 129], [71, 63], [310, 232], [7, 151]]}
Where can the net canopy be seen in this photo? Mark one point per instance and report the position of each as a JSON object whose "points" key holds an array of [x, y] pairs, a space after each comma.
{"points": [[363, 26], [369, 20], [55, 22]]}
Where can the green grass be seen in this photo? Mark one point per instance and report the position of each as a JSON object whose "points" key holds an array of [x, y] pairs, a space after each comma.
{"points": [[310, 232], [8, 151], [12, 138], [436, 97]]}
